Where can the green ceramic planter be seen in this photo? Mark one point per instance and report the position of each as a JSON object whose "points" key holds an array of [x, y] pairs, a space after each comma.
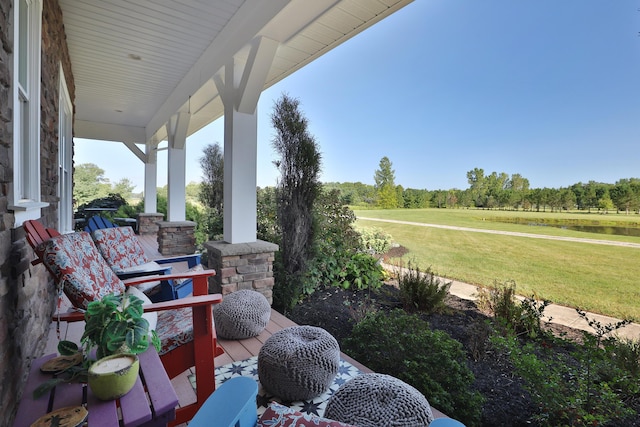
{"points": [[113, 376]]}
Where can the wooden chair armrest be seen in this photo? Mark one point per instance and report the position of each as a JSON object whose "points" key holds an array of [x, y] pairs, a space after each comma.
{"points": [[183, 275], [187, 302], [191, 260], [142, 273]]}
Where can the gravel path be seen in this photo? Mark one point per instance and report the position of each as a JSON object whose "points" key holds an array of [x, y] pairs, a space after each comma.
{"points": [[510, 233]]}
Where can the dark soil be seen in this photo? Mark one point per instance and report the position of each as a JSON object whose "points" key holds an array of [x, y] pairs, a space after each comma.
{"points": [[507, 403]]}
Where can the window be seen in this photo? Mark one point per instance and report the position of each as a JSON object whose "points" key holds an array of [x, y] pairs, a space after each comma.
{"points": [[25, 191], [65, 158]]}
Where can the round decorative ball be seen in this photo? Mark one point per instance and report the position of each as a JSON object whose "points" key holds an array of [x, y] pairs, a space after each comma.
{"points": [[241, 314], [298, 363], [371, 400]]}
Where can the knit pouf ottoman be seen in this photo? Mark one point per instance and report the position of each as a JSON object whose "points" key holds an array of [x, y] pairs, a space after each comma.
{"points": [[298, 363], [372, 400], [241, 314]]}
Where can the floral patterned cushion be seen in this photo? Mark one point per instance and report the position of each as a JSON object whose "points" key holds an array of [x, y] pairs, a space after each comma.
{"points": [[120, 247], [174, 328], [75, 262], [278, 415]]}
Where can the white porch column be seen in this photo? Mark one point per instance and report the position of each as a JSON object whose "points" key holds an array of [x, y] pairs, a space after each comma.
{"points": [[176, 167], [240, 163], [151, 180], [240, 90]]}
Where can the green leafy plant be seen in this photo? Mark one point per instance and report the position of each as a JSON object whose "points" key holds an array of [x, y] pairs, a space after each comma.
{"points": [[422, 291], [522, 317], [360, 272], [374, 240], [113, 325], [568, 388], [431, 361]]}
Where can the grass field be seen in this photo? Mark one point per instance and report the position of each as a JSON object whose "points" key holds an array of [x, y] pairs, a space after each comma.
{"points": [[598, 278]]}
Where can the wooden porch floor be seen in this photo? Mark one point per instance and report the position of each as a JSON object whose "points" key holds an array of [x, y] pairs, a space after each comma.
{"points": [[233, 350]]}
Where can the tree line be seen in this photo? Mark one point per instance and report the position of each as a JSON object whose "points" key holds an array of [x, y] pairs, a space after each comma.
{"points": [[492, 191]]}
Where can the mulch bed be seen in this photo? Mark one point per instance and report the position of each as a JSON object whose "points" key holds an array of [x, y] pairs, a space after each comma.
{"points": [[507, 403]]}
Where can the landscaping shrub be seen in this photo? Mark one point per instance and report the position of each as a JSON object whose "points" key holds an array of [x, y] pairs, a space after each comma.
{"points": [[402, 345], [361, 271], [422, 291], [568, 387], [374, 240], [522, 317]]}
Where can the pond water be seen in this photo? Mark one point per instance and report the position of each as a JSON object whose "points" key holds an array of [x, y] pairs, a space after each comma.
{"points": [[597, 229], [603, 229]]}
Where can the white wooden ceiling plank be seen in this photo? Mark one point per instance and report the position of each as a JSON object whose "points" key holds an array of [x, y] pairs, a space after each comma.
{"points": [[292, 55], [143, 48], [363, 9], [323, 34], [305, 44], [172, 18], [150, 64], [134, 29], [340, 21], [124, 16]]}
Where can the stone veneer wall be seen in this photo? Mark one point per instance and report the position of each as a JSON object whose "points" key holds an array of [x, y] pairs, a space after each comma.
{"points": [[176, 237], [148, 223], [27, 294], [242, 266]]}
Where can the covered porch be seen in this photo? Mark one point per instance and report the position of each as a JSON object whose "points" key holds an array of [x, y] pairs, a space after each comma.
{"points": [[235, 351]]}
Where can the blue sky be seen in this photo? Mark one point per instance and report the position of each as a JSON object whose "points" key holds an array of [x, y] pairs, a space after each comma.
{"points": [[549, 89]]}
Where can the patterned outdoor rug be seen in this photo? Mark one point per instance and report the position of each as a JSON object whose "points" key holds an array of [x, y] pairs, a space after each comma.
{"points": [[249, 368]]}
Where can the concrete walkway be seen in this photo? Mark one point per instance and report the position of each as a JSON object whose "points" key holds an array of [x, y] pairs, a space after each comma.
{"points": [[559, 314]]}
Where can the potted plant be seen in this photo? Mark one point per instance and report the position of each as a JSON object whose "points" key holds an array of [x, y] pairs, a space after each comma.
{"points": [[115, 331]]}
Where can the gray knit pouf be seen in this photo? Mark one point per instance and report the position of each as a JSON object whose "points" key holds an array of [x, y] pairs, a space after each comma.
{"points": [[298, 363], [372, 400], [241, 314]]}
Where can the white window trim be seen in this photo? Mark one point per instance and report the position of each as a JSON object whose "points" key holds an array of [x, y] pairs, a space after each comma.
{"points": [[65, 158], [24, 196]]}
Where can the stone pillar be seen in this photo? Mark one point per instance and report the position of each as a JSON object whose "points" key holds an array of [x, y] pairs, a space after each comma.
{"points": [[242, 266], [148, 223], [176, 237]]}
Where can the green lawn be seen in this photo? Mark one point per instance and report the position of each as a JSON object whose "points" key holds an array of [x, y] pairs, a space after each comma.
{"points": [[597, 278]]}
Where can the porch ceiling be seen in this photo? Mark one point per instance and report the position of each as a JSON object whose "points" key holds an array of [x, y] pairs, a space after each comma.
{"points": [[136, 63]]}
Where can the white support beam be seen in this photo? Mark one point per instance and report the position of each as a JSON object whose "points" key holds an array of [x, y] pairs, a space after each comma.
{"points": [[108, 131], [255, 74], [176, 167], [177, 130], [240, 163], [252, 17], [135, 150], [151, 180]]}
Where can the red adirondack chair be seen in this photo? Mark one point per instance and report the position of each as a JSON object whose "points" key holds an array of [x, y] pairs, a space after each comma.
{"points": [[37, 234], [185, 326]]}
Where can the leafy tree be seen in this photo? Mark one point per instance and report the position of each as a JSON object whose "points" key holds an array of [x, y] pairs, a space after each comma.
{"points": [[89, 183], [124, 187], [212, 187], [476, 180], [297, 190], [605, 203], [385, 185]]}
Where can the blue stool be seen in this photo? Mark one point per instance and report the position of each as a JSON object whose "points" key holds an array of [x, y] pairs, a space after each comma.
{"points": [[233, 404]]}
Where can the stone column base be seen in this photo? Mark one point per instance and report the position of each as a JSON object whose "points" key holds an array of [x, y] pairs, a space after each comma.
{"points": [[148, 223], [242, 266], [176, 237]]}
